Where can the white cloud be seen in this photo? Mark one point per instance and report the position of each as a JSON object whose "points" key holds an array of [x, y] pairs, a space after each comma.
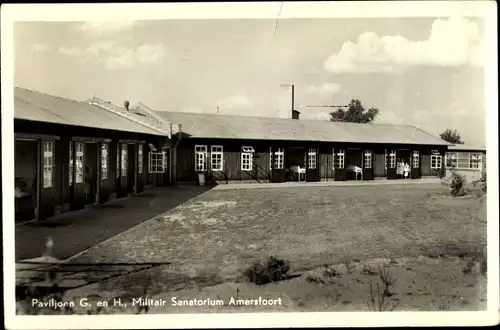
{"points": [[71, 51], [315, 116], [236, 101], [40, 47], [325, 89], [452, 42]]}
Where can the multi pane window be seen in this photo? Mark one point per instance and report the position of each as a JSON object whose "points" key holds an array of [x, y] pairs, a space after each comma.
{"points": [[367, 161], [124, 160], [436, 161], [70, 163], [390, 159], [216, 158], [104, 161], [339, 158], [118, 157], [474, 161], [247, 158], [279, 156], [79, 146], [451, 160], [140, 159], [200, 153], [156, 162], [48, 158], [311, 158], [416, 159]]}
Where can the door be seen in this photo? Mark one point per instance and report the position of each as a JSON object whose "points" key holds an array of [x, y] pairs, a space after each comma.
{"points": [[367, 161], [415, 165], [278, 173], [131, 168], [339, 164], [391, 165], [91, 173], [77, 184], [140, 168], [312, 169], [123, 190]]}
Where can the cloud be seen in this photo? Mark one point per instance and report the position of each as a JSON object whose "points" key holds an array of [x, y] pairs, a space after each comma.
{"points": [[236, 101], [40, 47], [115, 56], [326, 88], [315, 116], [452, 42]]}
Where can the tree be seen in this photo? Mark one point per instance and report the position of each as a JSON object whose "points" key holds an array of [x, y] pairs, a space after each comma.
{"points": [[451, 136], [355, 113]]}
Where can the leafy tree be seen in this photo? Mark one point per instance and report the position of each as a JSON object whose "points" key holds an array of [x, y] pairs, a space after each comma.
{"points": [[451, 136], [355, 113]]}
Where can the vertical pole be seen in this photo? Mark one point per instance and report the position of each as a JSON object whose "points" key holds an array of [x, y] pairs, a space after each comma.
{"points": [[293, 100]]}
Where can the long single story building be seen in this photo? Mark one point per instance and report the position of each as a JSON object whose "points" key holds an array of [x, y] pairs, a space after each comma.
{"points": [[69, 155]]}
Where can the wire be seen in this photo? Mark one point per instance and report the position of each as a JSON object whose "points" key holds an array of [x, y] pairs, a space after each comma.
{"points": [[277, 18]]}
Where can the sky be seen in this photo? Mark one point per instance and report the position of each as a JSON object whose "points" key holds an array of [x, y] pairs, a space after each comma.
{"points": [[426, 72]]}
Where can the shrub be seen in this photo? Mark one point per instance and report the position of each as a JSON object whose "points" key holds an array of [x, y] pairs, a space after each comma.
{"points": [[270, 270], [457, 184], [481, 182]]}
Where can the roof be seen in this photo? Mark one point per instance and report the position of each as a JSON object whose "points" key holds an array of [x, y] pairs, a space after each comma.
{"points": [[36, 106], [259, 128], [466, 147]]}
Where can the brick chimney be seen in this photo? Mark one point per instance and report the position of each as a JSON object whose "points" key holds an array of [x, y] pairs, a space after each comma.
{"points": [[126, 105], [295, 114]]}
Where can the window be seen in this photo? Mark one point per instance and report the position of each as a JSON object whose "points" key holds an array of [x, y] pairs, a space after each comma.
{"points": [[474, 161], [124, 160], [118, 161], [367, 161], [70, 163], [416, 159], [79, 162], [311, 159], [436, 161], [156, 162], [104, 161], [339, 159], [200, 153], [279, 156], [390, 159], [216, 158], [141, 158], [48, 157], [451, 160], [247, 158], [166, 153]]}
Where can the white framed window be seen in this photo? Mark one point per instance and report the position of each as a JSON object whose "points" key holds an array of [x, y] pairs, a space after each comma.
{"points": [[474, 161], [104, 161], [247, 158], [390, 159], [124, 160], [367, 160], [216, 161], [118, 161], [200, 153], [416, 159], [79, 149], [166, 159], [451, 160], [48, 160], [70, 174], [140, 160], [156, 162], [311, 158], [339, 158], [436, 161], [279, 156]]}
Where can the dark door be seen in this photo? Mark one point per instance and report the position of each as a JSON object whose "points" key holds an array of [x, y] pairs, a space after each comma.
{"points": [[312, 169], [77, 154], [140, 168], [415, 165], [367, 165], [123, 191], [90, 173], [339, 164], [131, 168], [391, 163], [278, 172], [167, 166], [106, 177]]}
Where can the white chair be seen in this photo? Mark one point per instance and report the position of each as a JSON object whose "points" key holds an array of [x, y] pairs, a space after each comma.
{"points": [[356, 170], [302, 171]]}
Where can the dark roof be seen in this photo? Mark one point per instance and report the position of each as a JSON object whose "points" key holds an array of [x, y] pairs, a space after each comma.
{"points": [[260, 128], [36, 106]]}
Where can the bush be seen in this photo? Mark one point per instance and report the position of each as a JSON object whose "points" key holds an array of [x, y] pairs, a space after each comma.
{"points": [[270, 270], [457, 184], [481, 182]]}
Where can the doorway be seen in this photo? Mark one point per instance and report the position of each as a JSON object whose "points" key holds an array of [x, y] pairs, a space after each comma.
{"points": [[295, 164], [91, 173], [26, 174], [403, 163], [354, 164], [131, 168]]}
